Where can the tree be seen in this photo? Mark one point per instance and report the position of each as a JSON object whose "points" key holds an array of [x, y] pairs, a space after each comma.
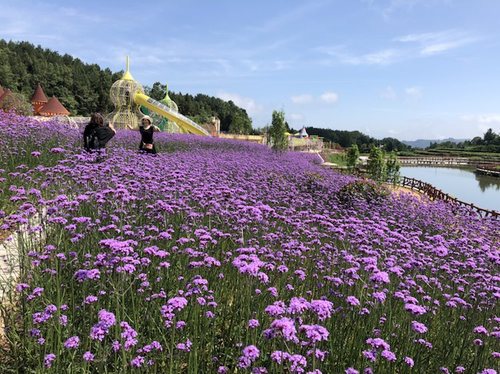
{"points": [[347, 138], [392, 167], [376, 164], [352, 157], [277, 136], [82, 88], [489, 137], [157, 92], [240, 124]]}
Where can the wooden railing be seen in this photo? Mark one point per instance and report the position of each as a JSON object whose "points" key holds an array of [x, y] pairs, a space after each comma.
{"points": [[429, 190], [488, 169], [446, 161], [437, 161], [435, 194]]}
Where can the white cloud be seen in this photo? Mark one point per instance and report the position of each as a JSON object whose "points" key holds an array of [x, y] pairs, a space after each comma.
{"points": [[493, 118], [381, 57], [330, 97], [302, 99], [413, 92], [483, 122], [247, 103], [406, 47], [388, 93], [432, 43]]}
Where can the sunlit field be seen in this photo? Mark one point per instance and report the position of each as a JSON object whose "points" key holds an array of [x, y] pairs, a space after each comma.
{"points": [[220, 257]]}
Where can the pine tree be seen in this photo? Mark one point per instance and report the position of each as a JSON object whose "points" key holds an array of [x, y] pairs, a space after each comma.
{"points": [[392, 169], [277, 136], [352, 157], [376, 164]]}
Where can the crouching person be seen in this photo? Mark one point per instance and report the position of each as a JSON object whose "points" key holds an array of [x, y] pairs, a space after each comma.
{"points": [[147, 129], [96, 134]]}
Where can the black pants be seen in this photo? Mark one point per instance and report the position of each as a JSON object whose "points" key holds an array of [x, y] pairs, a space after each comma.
{"points": [[150, 151]]}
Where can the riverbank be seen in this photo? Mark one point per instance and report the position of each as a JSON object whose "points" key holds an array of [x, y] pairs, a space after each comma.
{"points": [[490, 170], [460, 183], [459, 192]]}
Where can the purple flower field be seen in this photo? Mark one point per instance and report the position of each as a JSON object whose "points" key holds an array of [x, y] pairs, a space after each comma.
{"points": [[220, 257]]}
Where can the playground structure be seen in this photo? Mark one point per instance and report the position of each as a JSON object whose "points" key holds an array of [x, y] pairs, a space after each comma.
{"points": [[162, 122], [131, 103]]}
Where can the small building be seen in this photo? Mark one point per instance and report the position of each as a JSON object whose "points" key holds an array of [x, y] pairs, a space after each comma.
{"points": [[46, 107], [363, 160], [53, 108], [38, 100]]}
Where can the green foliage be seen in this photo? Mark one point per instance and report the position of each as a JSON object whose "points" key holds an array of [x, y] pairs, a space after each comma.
{"points": [[352, 156], [490, 142], [84, 88], [362, 190], [239, 124], [490, 137], [381, 168], [337, 158], [392, 167], [277, 131], [201, 108], [81, 88], [364, 142], [376, 164]]}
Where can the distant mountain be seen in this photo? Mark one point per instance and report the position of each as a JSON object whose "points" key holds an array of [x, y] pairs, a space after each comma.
{"points": [[424, 143]]}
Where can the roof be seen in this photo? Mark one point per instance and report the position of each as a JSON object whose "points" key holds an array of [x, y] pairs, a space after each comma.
{"points": [[39, 95], [303, 132], [52, 107]]}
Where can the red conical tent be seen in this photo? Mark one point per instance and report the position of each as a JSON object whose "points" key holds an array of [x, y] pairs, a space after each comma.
{"points": [[39, 95], [53, 108], [38, 100]]}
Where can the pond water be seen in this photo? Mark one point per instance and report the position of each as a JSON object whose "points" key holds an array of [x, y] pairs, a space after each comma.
{"points": [[462, 183]]}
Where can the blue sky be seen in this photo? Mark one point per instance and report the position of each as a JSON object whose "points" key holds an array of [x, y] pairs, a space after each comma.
{"points": [[403, 68]]}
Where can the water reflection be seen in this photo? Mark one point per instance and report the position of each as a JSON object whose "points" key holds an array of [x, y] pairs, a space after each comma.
{"points": [[485, 182], [462, 183]]}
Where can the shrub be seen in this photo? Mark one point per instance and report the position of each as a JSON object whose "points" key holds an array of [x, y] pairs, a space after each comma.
{"points": [[363, 190], [17, 103]]}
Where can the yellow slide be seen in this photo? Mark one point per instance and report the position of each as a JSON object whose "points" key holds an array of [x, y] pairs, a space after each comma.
{"points": [[163, 110]]}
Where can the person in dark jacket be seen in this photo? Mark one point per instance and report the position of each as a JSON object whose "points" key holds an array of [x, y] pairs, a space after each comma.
{"points": [[147, 129], [89, 131], [96, 135]]}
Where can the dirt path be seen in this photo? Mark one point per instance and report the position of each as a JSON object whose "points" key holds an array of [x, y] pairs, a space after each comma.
{"points": [[399, 190], [8, 273]]}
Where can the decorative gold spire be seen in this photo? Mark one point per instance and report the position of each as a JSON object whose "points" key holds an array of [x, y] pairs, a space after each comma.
{"points": [[127, 76]]}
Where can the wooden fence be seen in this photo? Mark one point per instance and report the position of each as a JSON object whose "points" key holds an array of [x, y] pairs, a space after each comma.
{"points": [[436, 161], [427, 189], [435, 194], [488, 169]]}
